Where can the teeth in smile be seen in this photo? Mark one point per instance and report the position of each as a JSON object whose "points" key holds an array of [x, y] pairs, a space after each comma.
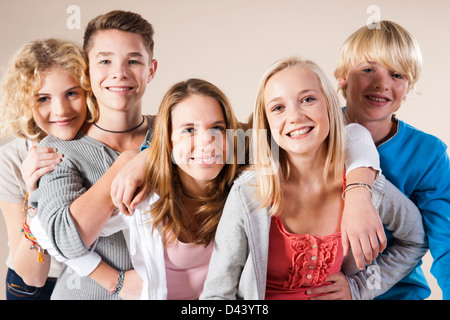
{"points": [[377, 99], [300, 132], [204, 160], [119, 89]]}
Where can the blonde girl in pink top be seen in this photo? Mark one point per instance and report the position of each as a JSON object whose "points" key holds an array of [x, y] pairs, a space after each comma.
{"points": [[280, 232], [304, 243]]}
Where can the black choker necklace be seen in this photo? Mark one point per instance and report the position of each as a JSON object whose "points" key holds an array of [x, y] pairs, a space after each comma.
{"points": [[124, 131]]}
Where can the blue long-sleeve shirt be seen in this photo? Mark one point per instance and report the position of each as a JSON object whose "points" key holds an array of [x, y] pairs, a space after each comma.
{"points": [[418, 164]]}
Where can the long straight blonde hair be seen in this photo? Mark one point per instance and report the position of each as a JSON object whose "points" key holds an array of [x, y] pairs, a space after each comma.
{"points": [[270, 177], [162, 176]]}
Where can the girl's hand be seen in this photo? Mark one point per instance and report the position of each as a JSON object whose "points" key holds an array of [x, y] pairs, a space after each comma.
{"points": [[339, 289], [132, 286], [128, 187], [39, 161], [107, 277], [361, 228]]}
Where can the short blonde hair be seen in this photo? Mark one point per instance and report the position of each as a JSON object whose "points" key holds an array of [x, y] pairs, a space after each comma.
{"points": [[23, 80], [389, 44], [269, 185]]}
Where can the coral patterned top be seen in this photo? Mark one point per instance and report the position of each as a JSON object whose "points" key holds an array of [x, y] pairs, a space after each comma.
{"points": [[299, 262]]}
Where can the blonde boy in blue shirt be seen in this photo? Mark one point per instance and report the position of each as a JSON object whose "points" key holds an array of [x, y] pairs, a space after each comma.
{"points": [[376, 69]]}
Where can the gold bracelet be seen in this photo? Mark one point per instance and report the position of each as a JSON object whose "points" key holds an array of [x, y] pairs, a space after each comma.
{"points": [[356, 185]]}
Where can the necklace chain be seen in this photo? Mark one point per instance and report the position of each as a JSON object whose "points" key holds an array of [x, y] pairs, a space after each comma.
{"points": [[123, 131]]}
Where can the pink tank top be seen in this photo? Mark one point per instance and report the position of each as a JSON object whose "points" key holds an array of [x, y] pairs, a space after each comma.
{"points": [[186, 269], [298, 262]]}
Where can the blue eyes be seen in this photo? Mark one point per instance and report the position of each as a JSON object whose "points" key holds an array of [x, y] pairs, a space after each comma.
{"points": [[305, 101], [276, 108], [106, 62], [72, 94], [69, 94], [43, 99], [308, 99], [394, 74]]}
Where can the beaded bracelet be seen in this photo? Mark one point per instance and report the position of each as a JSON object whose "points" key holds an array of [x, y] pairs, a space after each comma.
{"points": [[34, 245], [27, 208], [356, 185], [119, 283]]}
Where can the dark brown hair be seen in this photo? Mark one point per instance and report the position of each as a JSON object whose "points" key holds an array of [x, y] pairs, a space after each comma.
{"points": [[120, 20]]}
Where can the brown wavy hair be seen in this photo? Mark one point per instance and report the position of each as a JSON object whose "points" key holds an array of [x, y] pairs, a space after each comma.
{"points": [[162, 175]]}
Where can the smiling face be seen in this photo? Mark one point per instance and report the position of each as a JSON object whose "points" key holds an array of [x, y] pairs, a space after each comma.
{"points": [[374, 92], [198, 138], [60, 108], [120, 69], [296, 111]]}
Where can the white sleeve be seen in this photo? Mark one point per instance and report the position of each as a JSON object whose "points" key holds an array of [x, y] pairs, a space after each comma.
{"points": [[83, 265], [360, 149], [87, 263], [117, 222]]}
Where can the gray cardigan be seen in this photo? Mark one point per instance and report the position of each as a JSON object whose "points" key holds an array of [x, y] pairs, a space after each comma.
{"points": [[238, 264], [85, 161]]}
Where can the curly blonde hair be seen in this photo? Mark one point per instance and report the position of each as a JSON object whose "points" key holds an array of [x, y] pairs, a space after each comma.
{"points": [[23, 79]]}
